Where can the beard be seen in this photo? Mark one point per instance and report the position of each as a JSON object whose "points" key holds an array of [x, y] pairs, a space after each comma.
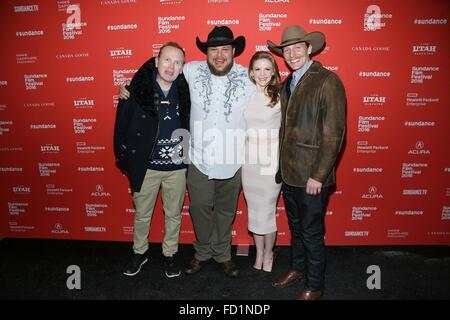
{"points": [[219, 73]]}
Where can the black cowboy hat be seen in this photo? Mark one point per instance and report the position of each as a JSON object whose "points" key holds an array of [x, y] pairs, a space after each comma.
{"points": [[222, 36]]}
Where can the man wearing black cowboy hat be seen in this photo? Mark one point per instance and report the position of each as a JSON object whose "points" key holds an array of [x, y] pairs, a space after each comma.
{"points": [[219, 91], [313, 106]]}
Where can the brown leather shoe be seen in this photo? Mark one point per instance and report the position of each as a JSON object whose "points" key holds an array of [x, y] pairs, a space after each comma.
{"points": [[230, 269], [310, 295], [194, 266], [288, 279]]}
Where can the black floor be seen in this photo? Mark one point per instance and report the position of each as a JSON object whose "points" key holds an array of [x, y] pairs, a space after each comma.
{"points": [[36, 269]]}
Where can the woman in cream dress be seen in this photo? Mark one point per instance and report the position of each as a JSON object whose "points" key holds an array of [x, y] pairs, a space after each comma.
{"points": [[263, 119]]}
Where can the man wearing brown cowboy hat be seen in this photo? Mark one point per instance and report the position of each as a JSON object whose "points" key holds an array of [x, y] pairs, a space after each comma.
{"points": [[313, 106], [219, 91]]}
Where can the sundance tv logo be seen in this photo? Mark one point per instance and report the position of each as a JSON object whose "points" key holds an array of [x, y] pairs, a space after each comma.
{"points": [[30, 8]]}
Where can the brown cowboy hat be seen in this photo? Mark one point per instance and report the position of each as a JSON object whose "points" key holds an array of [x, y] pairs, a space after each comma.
{"points": [[295, 34], [222, 36]]}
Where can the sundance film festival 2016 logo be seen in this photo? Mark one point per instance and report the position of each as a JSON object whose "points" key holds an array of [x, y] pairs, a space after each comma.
{"points": [[4, 126], [167, 24], [410, 170], [373, 18], [34, 81], [17, 208], [83, 125], [361, 213], [445, 213], [72, 27], [48, 169], [95, 209], [419, 74], [121, 76], [365, 123], [266, 23]]}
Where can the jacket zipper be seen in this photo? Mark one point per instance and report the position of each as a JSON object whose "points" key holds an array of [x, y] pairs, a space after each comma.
{"points": [[157, 135]]}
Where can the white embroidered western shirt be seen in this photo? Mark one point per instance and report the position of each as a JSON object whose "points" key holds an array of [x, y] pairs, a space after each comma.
{"points": [[217, 124]]}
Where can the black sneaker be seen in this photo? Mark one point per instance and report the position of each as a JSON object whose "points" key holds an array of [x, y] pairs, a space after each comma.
{"points": [[134, 266], [171, 268]]}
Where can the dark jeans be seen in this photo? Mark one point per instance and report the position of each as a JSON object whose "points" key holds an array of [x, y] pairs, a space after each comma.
{"points": [[306, 218]]}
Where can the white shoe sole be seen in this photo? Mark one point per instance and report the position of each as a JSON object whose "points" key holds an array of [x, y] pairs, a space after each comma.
{"points": [[133, 274], [173, 275]]}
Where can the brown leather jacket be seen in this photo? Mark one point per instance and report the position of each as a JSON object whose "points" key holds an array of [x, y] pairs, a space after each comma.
{"points": [[312, 128]]}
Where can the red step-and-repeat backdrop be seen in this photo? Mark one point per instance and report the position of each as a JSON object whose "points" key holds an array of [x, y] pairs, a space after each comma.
{"points": [[62, 61]]}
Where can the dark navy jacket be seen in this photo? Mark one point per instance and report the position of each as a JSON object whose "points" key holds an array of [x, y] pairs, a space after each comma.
{"points": [[137, 121]]}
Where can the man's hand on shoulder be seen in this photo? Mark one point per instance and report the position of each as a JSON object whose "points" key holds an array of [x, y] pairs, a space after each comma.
{"points": [[123, 92]]}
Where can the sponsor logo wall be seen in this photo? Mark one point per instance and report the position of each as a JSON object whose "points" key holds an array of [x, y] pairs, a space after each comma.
{"points": [[63, 60]]}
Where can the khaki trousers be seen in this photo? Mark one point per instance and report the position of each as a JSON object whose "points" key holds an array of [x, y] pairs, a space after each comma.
{"points": [[213, 205], [173, 185]]}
